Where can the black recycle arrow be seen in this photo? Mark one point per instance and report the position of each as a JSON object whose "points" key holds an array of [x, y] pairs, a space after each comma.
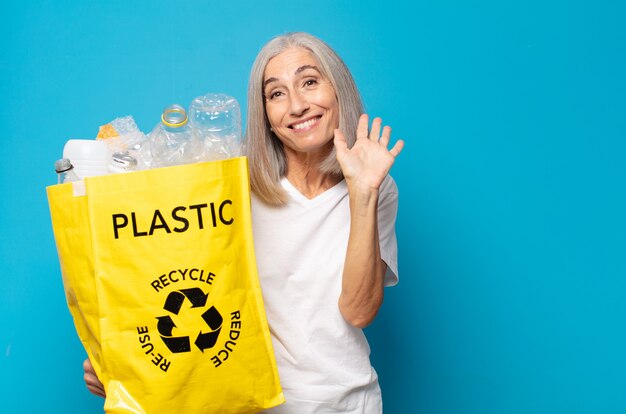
{"points": [[196, 296], [174, 344], [177, 344], [207, 340], [214, 320], [175, 299], [173, 304], [165, 325]]}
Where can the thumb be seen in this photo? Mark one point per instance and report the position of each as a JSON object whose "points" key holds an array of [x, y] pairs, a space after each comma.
{"points": [[340, 141]]}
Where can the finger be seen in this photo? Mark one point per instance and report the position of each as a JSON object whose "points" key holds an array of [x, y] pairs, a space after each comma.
{"points": [[384, 139], [87, 367], [375, 131], [96, 391], [395, 151], [340, 141], [94, 385], [92, 379], [361, 129]]}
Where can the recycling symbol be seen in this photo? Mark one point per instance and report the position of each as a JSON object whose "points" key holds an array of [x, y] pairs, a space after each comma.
{"points": [[173, 304]]}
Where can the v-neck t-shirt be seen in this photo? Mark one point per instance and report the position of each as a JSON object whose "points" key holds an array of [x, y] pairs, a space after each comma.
{"points": [[323, 361]]}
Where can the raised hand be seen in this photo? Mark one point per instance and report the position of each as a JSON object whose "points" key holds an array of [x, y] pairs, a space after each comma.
{"points": [[367, 163]]}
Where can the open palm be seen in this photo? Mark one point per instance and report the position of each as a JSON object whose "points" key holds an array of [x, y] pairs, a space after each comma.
{"points": [[369, 160]]}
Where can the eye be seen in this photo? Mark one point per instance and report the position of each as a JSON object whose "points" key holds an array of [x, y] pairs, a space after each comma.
{"points": [[273, 95], [310, 82]]}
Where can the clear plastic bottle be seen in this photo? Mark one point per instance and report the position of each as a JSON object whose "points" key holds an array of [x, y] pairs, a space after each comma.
{"points": [[122, 162], [216, 119], [65, 171], [172, 141]]}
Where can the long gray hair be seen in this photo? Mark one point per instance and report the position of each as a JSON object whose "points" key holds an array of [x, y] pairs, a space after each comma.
{"points": [[264, 150]]}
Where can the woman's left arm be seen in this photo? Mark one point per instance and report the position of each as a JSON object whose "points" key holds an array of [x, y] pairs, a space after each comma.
{"points": [[364, 167]]}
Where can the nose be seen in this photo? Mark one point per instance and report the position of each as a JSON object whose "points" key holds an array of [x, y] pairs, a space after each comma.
{"points": [[298, 104]]}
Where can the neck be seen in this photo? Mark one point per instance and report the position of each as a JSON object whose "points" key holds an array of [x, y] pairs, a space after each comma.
{"points": [[303, 172]]}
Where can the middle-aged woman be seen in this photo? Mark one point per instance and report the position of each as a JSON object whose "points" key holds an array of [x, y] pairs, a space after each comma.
{"points": [[323, 214]]}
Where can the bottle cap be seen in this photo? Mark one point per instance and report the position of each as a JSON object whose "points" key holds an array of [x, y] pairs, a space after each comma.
{"points": [[63, 165]]}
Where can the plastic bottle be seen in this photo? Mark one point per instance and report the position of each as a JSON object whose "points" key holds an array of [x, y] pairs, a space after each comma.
{"points": [[65, 171], [216, 119], [89, 156], [122, 162], [172, 141]]}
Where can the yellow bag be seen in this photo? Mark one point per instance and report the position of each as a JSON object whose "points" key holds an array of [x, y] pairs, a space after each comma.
{"points": [[160, 278]]}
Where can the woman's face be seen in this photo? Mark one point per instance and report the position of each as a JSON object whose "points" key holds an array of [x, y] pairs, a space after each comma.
{"points": [[300, 102]]}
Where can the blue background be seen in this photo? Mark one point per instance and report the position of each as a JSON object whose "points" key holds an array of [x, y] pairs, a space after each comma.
{"points": [[511, 228]]}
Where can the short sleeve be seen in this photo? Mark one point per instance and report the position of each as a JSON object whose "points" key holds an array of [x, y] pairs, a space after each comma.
{"points": [[387, 212]]}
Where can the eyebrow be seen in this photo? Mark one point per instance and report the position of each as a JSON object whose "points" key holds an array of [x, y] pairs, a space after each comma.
{"points": [[269, 80], [299, 70], [305, 67]]}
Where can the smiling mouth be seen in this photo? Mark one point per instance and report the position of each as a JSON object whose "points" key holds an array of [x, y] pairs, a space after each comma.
{"points": [[306, 124]]}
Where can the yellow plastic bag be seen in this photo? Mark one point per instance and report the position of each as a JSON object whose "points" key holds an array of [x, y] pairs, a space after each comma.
{"points": [[160, 277], [73, 240]]}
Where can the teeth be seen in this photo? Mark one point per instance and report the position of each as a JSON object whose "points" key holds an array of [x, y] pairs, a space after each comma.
{"points": [[305, 124]]}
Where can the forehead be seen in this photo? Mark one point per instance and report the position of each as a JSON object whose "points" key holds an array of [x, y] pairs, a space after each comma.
{"points": [[287, 62]]}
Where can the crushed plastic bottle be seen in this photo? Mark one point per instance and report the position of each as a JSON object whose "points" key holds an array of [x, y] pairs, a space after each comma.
{"points": [[172, 141], [210, 130], [215, 119], [122, 162], [138, 146], [118, 127]]}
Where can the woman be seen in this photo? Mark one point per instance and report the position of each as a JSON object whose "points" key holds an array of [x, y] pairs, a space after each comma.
{"points": [[323, 211]]}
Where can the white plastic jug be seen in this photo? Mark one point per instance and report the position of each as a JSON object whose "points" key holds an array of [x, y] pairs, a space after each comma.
{"points": [[88, 156]]}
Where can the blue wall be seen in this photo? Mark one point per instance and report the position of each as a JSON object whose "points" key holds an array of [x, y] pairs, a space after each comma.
{"points": [[511, 227]]}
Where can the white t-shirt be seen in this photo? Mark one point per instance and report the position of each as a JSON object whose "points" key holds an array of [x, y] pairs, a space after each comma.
{"points": [[323, 361]]}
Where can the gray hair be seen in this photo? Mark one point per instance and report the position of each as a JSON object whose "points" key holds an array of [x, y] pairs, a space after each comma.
{"points": [[264, 150]]}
